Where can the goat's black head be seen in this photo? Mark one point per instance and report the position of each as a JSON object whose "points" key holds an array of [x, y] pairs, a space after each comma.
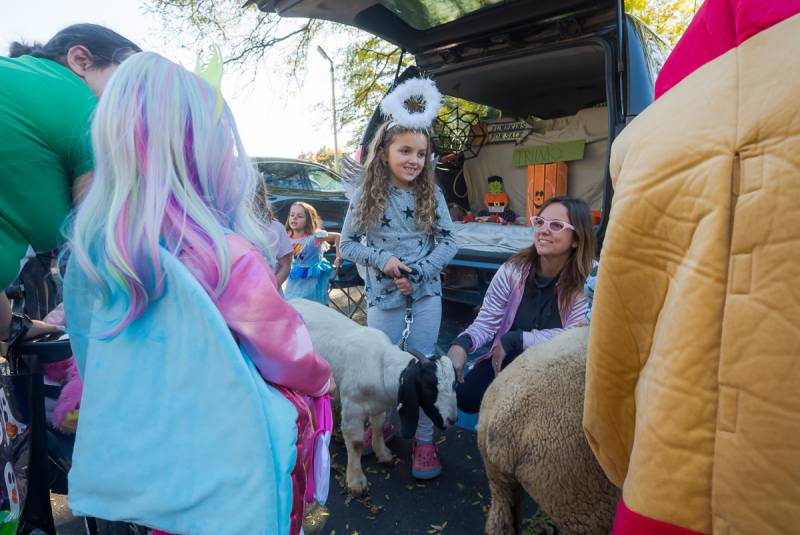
{"points": [[426, 383]]}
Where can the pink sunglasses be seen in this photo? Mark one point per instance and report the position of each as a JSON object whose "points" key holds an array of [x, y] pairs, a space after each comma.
{"points": [[555, 225]]}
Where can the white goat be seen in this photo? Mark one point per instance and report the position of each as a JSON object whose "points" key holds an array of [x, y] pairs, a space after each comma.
{"points": [[372, 375]]}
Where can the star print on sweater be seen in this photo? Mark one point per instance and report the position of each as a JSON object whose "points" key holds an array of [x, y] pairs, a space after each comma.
{"points": [[396, 233]]}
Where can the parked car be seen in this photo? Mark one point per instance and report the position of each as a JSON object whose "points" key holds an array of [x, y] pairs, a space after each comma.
{"points": [[290, 180], [548, 59]]}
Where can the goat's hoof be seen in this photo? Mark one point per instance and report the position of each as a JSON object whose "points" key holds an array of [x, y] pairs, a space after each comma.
{"points": [[357, 486]]}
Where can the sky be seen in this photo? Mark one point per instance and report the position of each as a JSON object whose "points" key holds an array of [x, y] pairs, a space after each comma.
{"points": [[275, 116]]}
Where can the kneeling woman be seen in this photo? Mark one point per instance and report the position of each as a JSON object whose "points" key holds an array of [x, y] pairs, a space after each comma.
{"points": [[535, 295]]}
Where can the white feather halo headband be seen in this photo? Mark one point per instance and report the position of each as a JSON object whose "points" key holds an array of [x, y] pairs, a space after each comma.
{"points": [[424, 92]]}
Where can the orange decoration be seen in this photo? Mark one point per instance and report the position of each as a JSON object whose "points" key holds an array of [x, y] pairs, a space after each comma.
{"points": [[545, 180]]}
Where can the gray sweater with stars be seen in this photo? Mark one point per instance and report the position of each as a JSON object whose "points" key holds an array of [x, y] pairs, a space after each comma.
{"points": [[396, 234]]}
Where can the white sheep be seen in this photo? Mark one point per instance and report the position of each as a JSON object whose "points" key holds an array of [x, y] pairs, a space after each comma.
{"points": [[530, 435], [373, 375]]}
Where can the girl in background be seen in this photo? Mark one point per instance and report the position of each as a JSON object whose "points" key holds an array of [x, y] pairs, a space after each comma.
{"points": [[311, 272]]}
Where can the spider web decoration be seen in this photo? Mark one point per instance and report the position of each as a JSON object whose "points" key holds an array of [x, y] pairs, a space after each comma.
{"points": [[456, 130]]}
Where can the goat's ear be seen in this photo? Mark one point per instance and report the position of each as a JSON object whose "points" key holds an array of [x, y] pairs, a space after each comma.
{"points": [[407, 400], [417, 355]]}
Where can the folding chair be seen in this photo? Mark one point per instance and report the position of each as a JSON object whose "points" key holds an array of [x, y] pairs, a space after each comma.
{"points": [[350, 284]]}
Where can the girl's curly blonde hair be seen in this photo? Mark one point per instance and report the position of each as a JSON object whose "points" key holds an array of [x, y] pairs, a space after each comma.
{"points": [[375, 186]]}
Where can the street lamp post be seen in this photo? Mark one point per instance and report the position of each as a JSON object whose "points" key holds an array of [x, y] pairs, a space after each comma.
{"points": [[333, 106]]}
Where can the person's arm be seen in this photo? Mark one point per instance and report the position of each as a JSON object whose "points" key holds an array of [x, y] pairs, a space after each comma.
{"points": [[37, 327], [574, 317], [351, 246], [270, 330], [430, 267], [284, 266], [492, 312], [336, 239]]}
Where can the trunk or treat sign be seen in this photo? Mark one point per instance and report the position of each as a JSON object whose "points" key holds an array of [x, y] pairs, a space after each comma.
{"points": [[564, 151], [506, 132]]}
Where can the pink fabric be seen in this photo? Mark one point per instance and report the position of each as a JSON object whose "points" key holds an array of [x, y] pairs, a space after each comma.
{"points": [[323, 418], [314, 416], [425, 458], [500, 306], [628, 522], [717, 27], [301, 475], [276, 339], [267, 327], [66, 373]]}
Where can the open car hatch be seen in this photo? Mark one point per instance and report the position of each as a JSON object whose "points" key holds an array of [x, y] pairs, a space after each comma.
{"points": [[421, 26]]}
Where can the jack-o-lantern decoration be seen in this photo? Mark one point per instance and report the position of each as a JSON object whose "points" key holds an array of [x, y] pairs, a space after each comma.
{"points": [[496, 200], [497, 209], [545, 180]]}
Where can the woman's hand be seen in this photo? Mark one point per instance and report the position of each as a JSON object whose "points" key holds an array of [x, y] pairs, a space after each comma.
{"points": [[404, 285], [337, 262], [395, 268], [458, 355], [498, 355]]}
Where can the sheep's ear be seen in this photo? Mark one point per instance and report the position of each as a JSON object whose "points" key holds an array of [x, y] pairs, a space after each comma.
{"points": [[408, 401]]}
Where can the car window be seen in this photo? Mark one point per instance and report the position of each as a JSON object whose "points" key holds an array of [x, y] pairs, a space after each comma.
{"points": [[322, 180], [282, 175]]}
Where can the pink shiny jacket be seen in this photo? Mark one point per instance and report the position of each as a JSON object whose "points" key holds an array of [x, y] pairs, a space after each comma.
{"points": [[266, 326], [500, 306]]}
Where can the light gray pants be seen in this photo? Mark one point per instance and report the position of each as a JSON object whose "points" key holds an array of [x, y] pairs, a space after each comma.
{"points": [[427, 313]]}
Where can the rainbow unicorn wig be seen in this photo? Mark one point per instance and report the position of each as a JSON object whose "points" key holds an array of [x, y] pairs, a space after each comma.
{"points": [[169, 173]]}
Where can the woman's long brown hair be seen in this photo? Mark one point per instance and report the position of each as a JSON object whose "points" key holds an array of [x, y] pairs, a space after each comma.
{"points": [[375, 187], [579, 264]]}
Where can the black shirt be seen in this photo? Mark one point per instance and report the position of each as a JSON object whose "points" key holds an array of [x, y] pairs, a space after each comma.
{"points": [[537, 310]]}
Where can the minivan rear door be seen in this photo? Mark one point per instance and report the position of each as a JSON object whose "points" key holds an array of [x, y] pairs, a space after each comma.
{"points": [[420, 26]]}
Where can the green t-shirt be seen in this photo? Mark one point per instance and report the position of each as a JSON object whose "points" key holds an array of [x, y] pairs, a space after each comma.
{"points": [[45, 117]]}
